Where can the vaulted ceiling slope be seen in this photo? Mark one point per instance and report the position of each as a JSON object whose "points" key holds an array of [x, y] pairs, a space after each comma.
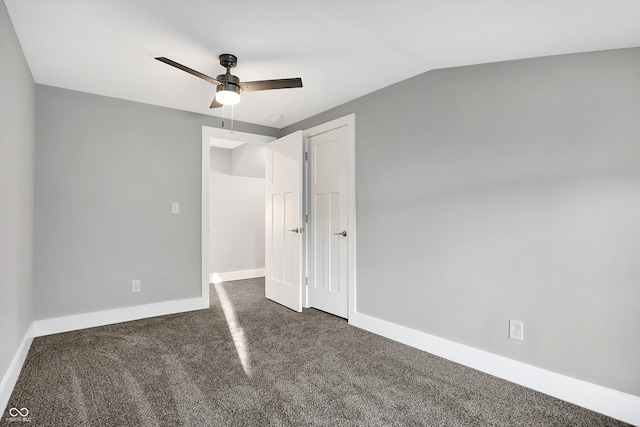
{"points": [[341, 49]]}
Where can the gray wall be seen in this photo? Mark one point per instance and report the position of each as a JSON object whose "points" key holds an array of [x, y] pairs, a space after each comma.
{"points": [[16, 193], [507, 190], [236, 209], [248, 160], [107, 171]]}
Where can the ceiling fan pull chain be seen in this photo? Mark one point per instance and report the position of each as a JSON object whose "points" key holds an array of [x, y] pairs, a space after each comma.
{"points": [[231, 118], [224, 109]]}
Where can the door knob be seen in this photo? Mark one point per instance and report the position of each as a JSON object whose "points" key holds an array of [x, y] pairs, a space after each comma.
{"points": [[343, 233], [296, 230]]}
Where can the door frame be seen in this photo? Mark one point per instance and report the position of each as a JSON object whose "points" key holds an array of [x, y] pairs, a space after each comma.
{"points": [[350, 122], [209, 133]]}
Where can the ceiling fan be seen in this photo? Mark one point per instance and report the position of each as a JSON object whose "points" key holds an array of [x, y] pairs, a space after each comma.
{"points": [[230, 86]]}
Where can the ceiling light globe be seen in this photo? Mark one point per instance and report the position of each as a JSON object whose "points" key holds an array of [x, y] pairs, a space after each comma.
{"points": [[227, 97]]}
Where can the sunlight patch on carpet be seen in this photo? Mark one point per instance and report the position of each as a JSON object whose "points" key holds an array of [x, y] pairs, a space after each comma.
{"points": [[237, 333]]}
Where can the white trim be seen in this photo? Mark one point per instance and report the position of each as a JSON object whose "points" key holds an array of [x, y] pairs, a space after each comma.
{"points": [[236, 275], [350, 122], [13, 372], [211, 134], [613, 403], [204, 219], [117, 315]]}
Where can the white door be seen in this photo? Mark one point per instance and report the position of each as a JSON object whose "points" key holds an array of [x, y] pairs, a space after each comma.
{"points": [[329, 221], [284, 238]]}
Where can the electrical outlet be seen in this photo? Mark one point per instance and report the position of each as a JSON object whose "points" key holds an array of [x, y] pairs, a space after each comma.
{"points": [[175, 208], [516, 330], [135, 286]]}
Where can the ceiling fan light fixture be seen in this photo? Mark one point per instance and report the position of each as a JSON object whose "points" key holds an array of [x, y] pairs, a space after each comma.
{"points": [[228, 94], [229, 86]]}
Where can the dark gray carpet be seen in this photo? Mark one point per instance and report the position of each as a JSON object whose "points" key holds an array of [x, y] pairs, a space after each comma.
{"points": [[297, 369]]}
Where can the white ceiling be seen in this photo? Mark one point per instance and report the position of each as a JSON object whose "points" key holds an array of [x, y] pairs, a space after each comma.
{"points": [[342, 49]]}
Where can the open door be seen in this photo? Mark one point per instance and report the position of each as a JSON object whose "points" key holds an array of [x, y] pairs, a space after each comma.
{"points": [[283, 221]]}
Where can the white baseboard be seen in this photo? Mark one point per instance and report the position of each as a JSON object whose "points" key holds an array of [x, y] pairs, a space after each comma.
{"points": [[236, 275], [11, 376], [117, 315], [613, 403]]}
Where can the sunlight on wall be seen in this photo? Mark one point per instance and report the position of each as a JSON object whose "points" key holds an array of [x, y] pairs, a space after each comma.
{"points": [[237, 333]]}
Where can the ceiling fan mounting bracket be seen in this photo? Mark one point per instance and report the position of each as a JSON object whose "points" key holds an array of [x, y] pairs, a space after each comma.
{"points": [[228, 60]]}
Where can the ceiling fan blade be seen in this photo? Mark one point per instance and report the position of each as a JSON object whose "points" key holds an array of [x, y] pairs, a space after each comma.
{"points": [[271, 84], [215, 104], [188, 70]]}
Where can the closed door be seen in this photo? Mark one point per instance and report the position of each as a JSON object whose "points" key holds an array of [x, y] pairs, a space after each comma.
{"points": [[328, 221], [283, 216]]}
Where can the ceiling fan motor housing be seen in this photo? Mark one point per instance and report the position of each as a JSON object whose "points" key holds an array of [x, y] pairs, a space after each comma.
{"points": [[229, 82]]}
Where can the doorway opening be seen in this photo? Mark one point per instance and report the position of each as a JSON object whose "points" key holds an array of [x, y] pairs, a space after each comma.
{"points": [[232, 165]]}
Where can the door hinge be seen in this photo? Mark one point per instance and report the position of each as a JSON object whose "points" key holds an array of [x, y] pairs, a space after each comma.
{"points": [[306, 156], [306, 281]]}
